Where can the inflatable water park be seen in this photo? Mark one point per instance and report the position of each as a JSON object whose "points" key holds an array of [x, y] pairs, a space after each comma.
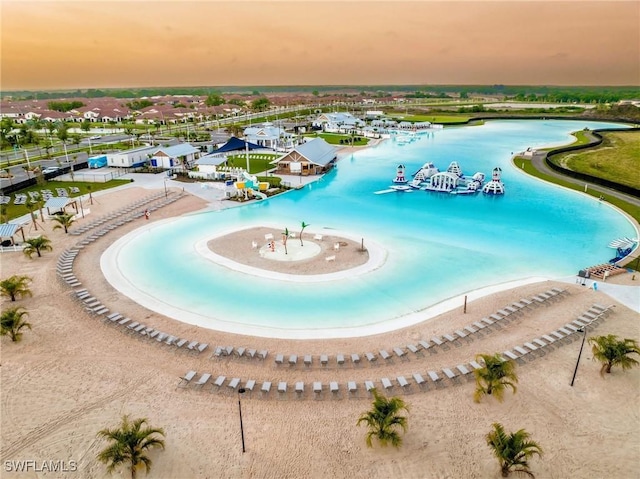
{"points": [[452, 181]]}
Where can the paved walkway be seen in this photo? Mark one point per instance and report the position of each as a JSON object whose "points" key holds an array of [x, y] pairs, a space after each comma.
{"points": [[539, 163]]}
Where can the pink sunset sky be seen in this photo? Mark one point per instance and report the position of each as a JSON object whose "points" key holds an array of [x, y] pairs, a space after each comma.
{"points": [[112, 44]]}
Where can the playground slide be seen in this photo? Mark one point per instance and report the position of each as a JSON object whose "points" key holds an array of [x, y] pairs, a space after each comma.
{"points": [[258, 194]]}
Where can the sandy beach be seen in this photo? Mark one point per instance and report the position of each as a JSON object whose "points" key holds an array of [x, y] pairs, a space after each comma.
{"points": [[74, 374]]}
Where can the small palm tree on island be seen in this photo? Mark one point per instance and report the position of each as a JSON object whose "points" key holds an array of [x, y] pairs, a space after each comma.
{"points": [[495, 377], [384, 419], [12, 322], [285, 237], [610, 351], [129, 443], [15, 286], [64, 221], [37, 245], [513, 450], [303, 226]]}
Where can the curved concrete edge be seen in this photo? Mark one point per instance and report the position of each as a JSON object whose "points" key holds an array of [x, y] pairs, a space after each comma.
{"points": [[109, 265]]}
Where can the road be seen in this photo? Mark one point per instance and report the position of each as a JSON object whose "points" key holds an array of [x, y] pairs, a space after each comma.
{"points": [[20, 174]]}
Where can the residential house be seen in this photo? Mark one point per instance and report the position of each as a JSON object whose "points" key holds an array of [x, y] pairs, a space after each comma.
{"points": [[269, 136], [332, 122]]}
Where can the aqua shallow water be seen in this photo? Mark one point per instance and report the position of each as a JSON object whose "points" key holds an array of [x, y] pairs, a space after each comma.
{"points": [[438, 246]]}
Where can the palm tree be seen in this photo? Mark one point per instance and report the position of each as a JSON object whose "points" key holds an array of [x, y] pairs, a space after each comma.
{"points": [[303, 226], [496, 375], [512, 450], [235, 130], [37, 245], [15, 286], [384, 419], [64, 221], [89, 188], [129, 442], [11, 322], [610, 351], [285, 237], [32, 206]]}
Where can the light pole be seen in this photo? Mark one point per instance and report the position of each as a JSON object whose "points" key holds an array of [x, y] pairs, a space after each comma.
{"points": [[165, 186], [584, 335], [240, 393], [246, 150], [26, 154]]}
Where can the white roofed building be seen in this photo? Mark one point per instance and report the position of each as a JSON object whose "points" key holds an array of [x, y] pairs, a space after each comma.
{"points": [[131, 158], [333, 121], [177, 156], [311, 158], [269, 136]]}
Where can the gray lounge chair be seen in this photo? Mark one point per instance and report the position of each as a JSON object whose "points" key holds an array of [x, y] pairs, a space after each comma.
{"points": [[417, 377], [186, 379], [202, 381], [317, 388], [334, 388], [352, 387]]}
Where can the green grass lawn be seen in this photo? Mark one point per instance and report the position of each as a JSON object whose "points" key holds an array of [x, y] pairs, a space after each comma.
{"points": [[13, 211], [257, 163], [342, 140], [617, 158]]}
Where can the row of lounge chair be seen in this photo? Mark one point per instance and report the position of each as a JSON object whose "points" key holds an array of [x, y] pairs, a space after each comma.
{"points": [[137, 329], [64, 268], [93, 305], [406, 383], [129, 212], [403, 353], [565, 334], [127, 219]]}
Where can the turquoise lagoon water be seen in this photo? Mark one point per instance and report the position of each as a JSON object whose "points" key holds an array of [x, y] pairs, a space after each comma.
{"points": [[438, 246]]}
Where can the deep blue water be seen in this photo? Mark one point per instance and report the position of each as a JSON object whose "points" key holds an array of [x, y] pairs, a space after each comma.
{"points": [[439, 246]]}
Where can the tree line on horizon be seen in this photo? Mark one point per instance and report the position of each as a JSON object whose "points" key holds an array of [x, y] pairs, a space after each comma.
{"points": [[579, 94]]}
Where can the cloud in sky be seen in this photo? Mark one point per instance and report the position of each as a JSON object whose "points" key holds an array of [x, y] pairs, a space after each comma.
{"points": [[57, 44]]}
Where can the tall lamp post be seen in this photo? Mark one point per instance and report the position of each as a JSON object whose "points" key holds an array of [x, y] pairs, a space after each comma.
{"points": [[575, 371], [240, 393], [246, 151]]}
